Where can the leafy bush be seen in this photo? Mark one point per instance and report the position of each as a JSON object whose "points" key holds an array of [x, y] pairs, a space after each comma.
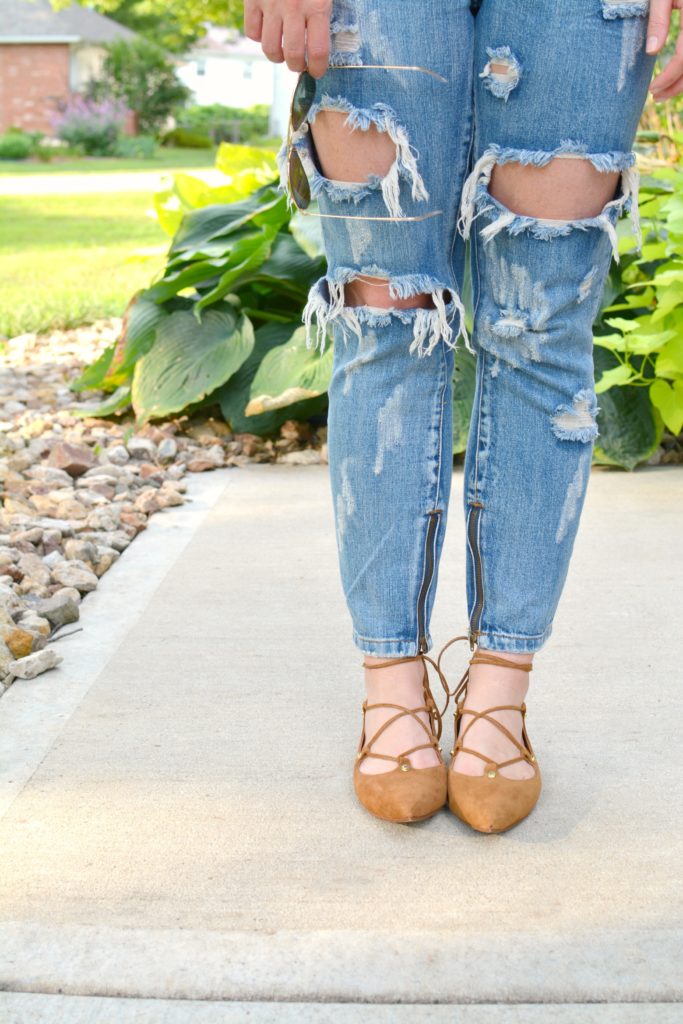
{"points": [[90, 127], [227, 124], [139, 74], [137, 147], [186, 138], [16, 144], [639, 334]]}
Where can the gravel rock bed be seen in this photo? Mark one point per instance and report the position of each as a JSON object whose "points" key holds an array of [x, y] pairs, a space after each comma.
{"points": [[76, 490]]}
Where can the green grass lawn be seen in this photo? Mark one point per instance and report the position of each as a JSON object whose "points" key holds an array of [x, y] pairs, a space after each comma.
{"points": [[175, 159], [67, 260]]}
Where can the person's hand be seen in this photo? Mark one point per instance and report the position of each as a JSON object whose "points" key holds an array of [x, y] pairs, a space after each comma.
{"points": [[291, 31], [668, 82]]}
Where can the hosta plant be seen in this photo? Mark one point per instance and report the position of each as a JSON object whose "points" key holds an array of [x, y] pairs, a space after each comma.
{"points": [[221, 326]]}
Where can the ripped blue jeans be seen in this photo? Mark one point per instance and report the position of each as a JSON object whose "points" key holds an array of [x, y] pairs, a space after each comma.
{"points": [[488, 83]]}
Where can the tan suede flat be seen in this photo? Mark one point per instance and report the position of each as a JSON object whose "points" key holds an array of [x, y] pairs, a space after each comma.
{"points": [[405, 793], [491, 802]]}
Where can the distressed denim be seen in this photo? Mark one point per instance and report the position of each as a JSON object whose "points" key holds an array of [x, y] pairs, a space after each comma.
{"points": [[516, 81]]}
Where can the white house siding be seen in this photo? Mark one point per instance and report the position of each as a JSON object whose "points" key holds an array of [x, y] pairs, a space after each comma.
{"points": [[233, 82], [284, 81]]}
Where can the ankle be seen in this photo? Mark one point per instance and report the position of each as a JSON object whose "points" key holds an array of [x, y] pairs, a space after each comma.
{"points": [[398, 684], [494, 686]]}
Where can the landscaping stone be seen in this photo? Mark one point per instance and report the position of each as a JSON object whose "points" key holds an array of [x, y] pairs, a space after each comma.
{"points": [[58, 609], [168, 449], [74, 573], [34, 664], [19, 641], [74, 458]]}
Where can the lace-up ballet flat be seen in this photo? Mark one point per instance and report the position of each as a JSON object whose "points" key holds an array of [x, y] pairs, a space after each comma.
{"points": [[491, 802], [404, 793]]}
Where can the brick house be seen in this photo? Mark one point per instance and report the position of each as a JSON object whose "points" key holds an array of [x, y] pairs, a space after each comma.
{"points": [[46, 56]]}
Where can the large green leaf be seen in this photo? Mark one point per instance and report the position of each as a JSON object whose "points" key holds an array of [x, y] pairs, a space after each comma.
{"points": [[93, 375], [193, 274], [116, 363], [630, 431], [222, 219], [140, 324], [234, 396], [290, 373], [668, 398], [189, 360], [245, 257], [288, 262], [464, 380], [670, 359]]}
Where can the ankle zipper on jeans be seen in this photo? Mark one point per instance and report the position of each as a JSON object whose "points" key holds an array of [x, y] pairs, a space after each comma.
{"points": [[473, 541], [429, 563]]}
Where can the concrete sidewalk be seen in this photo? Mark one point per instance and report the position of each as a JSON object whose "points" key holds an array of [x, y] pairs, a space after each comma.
{"points": [[180, 821]]}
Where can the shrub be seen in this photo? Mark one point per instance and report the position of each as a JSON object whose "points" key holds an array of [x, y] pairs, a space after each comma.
{"points": [[639, 333], [16, 145], [92, 128], [140, 74], [139, 147], [227, 124]]}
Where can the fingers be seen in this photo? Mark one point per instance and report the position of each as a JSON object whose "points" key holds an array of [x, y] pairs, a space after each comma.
{"points": [[669, 82], [669, 91], [294, 41], [253, 20], [286, 33], [318, 43], [271, 36], [658, 24]]}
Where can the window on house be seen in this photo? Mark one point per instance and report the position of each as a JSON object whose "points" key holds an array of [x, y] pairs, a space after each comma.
{"points": [[248, 69], [201, 67]]}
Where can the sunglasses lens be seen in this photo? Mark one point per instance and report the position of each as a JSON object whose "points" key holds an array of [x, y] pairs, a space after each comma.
{"points": [[304, 94], [298, 182]]}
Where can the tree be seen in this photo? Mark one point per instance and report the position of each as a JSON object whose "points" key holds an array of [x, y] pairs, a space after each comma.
{"points": [[173, 26], [141, 75]]}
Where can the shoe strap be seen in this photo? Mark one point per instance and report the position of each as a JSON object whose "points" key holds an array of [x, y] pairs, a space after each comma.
{"points": [[485, 657], [430, 707], [435, 712], [365, 747], [526, 752]]}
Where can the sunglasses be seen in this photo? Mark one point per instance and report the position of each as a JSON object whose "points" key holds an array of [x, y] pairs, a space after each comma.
{"points": [[302, 101]]}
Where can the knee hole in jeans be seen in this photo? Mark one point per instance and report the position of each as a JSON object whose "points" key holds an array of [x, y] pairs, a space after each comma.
{"points": [[366, 292], [563, 189], [344, 154]]}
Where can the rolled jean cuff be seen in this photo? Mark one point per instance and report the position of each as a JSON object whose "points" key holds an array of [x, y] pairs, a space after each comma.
{"points": [[513, 644], [392, 648]]}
